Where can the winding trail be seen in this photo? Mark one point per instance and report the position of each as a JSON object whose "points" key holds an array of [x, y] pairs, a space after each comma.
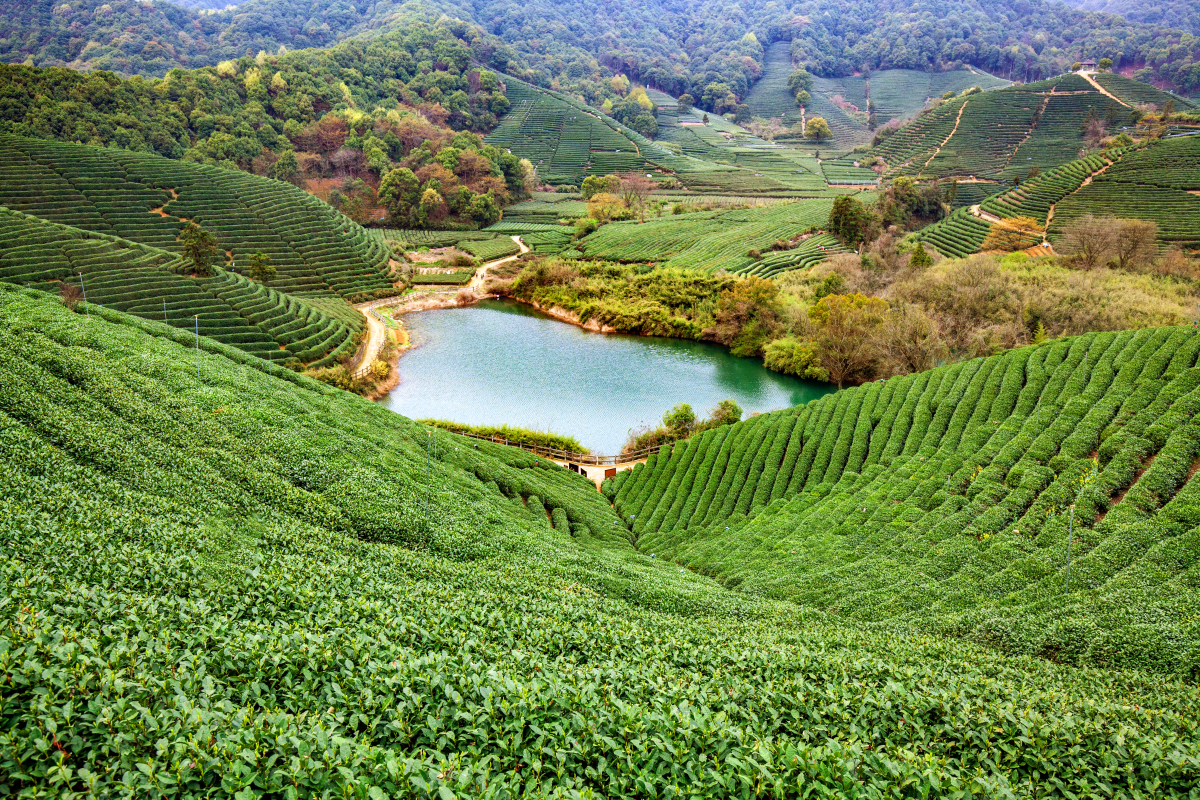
{"points": [[481, 273], [377, 330], [1086, 181], [957, 120]]}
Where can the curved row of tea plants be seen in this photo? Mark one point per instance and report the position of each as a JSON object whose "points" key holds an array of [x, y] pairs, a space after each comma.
{"points": [[942, 500], [708, 240], [1156, 181], [148, 199], [153, 283], [234, 581]]}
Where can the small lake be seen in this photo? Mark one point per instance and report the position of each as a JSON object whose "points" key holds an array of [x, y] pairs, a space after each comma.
{"points": [[502, 363]]}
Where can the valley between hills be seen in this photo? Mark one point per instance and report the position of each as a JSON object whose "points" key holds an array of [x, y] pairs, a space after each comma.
{"points": [[865, 466]]}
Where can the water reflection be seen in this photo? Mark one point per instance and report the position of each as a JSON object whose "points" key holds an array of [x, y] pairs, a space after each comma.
{"points": [[499, 362]]}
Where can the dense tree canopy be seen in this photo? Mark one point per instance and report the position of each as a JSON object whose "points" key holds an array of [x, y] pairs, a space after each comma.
{"points": [[350, 114], [665, 44]]}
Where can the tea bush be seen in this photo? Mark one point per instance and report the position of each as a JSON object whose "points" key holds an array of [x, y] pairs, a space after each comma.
{"points": [[229, 580], [941, 501]]}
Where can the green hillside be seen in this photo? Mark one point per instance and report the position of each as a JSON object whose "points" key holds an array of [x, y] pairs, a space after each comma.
{"points": [[1157, 181], [712, 240], [896, 93], [152, 283], [223, 579], [148, 199], [941, 501], [567, 140], [1002, 134], [116, 216]]}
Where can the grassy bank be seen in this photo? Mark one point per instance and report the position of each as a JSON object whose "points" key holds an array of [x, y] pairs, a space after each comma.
{"points": [[512, 433], [851, 319], [631, 298]]}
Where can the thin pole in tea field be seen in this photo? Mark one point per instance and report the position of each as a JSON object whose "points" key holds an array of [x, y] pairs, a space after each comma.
{"points": [[83, 289], [197, 318], [165, 312]]}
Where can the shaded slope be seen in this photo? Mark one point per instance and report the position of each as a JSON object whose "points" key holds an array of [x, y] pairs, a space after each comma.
{"points": [[148, 199], [249, 567], [941, 499], [154, 284]]}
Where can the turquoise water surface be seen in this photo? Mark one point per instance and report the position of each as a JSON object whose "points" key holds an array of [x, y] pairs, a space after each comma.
{"points": [[502, 363]]}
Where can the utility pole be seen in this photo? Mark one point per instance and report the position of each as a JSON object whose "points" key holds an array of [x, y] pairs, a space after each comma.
{"points": [[165, 312], [83, 289], [197, 318]]}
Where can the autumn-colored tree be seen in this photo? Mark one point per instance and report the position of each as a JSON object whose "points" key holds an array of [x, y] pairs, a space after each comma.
{"points": [[1014, 233], [432, 208], [330, 133], [845, 326], [747, 316], [816, 129], [604, 207], [597, 184], [1089, 241]]}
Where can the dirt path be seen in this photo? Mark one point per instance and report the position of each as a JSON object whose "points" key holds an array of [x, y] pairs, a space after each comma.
{"points": [[1087, 76], [976, 211], [481, 273], [957, 120], [1086, 181], [377, 330]]}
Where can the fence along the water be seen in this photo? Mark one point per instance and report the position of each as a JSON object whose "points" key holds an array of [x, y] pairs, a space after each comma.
{"points": [[587, 459]]}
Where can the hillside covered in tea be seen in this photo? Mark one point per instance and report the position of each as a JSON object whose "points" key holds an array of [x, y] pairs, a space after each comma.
{"points": [[213, 533]]}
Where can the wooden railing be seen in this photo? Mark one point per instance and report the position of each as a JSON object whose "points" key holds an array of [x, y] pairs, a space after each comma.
{"points": [[586, 459]]}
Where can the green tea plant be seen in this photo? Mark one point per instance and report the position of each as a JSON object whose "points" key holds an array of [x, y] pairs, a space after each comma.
{"points": [[240, 582], [940, 501]]}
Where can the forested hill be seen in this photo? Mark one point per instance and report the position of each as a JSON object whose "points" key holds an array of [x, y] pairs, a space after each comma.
{"points": [[674, 46], [1183, 14]]}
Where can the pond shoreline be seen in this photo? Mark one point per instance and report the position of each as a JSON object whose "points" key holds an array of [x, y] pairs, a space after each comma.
{"points": [[504, 361]]}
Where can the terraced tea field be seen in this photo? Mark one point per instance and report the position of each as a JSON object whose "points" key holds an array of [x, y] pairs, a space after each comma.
{"points": [[148, 199], [1135, 92], [712, 240], [962, 500], [151, 283], [547, 208], [325, 585], [568, 140], [897, 94], [1002, 134], [1156, 182]]}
